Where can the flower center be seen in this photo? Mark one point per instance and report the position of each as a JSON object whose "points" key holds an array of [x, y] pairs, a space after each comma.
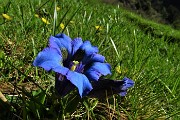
{"points": [[75, 63]]}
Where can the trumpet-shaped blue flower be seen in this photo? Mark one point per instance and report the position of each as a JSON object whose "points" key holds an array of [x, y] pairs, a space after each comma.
{"points": [[75, 62], [106, 87]]}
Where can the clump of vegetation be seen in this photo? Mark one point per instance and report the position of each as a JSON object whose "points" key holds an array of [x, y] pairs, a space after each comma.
{"points": [[135, 47], [162, 11]]}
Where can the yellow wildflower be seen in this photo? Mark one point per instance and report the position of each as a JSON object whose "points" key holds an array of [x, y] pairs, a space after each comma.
{"points": [[98, 27], [121, 70], [36, 15], [45, 20], [6, 16], [58, 8], [62, 26], [118, 69]]}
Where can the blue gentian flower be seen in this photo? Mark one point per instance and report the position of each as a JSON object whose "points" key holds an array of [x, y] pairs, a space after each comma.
{"points": [[127, 83], [75, 62], [105, 87]]}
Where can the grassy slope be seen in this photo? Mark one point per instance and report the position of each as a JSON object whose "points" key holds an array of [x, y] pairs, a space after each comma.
{"points": [[143, 53]]}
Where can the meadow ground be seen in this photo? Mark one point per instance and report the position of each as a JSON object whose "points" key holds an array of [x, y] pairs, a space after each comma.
{"points": [[137, 48]]}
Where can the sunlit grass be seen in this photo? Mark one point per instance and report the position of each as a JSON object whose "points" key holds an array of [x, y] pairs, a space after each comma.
{"points": [[135, 47]]}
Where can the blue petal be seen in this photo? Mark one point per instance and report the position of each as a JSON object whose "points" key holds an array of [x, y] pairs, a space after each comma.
{"points": [[88, 48], [107, 87], [123, 93], [76, 43], [97, 58], [127, 83], [60, 69], [97, 70], [48, 59], [93, 58], [79, 68], [61, 41], [80, 81]]}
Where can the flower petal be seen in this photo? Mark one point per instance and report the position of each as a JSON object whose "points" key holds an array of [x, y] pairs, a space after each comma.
{"points": [[127, 83], [76, 43], [106, 87], [97, 69], [48, 59], [88, 48], [60, 69], [93, 58], [80, 81], [123, 93], [61, 41]]}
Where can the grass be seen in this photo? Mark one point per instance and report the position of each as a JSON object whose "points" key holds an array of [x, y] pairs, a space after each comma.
{"points": [[146, 52]]}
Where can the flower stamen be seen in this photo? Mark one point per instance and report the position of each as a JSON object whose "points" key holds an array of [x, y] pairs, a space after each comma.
{"points": [[75, 63]]}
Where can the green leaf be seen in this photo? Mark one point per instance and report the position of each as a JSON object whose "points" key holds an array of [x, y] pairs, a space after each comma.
{"points": [[72, 103]]}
